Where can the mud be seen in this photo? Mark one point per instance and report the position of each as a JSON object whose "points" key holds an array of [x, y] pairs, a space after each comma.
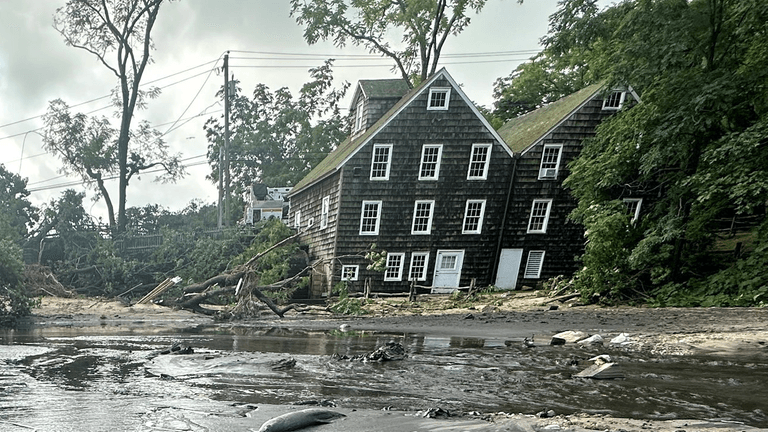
{"points": [[687, 369]]}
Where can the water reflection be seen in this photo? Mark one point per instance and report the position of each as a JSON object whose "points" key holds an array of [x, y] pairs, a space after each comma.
{"points": [[60, 377]]}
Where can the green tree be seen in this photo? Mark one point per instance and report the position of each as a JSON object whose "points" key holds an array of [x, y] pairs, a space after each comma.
{"points": [[17, 214], [90, 148], [275, 138], [570, 60], [424, 26], [118, 34], [696, 144]]}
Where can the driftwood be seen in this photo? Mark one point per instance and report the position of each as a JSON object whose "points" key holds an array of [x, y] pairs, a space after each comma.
{"points": [[562, 298]]}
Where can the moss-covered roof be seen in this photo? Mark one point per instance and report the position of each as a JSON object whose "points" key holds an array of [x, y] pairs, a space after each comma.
{"points": [[521, 132], [384, 88]]}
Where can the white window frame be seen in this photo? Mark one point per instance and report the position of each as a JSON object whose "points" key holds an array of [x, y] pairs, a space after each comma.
{"points": [[486, 163], [363, 219], [423, 275], [546, 165], [609, 99], [388, 162], [543, 228], [325, 209], [424, 148], [355, 270], [359, 116], [479, 217], [388, 276], [297, 219], [439, 90], [534, 264], [636, 214], [431, 204]]}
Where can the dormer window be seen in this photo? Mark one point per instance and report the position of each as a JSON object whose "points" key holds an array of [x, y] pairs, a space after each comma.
{"points": [[438, 98], [614, 101], [359, 116]]}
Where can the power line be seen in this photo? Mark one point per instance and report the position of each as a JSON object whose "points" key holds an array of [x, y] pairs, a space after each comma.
{"points": [[87, 182]]}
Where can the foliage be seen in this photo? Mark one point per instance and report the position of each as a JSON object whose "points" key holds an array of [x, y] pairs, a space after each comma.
{"points": [[424, 26], [17, 214], [568, 63], [275, 265], [89, 148], [378, 259], [695, 146], [277, 139], [14, 302], [118, 34], [346, 305]]}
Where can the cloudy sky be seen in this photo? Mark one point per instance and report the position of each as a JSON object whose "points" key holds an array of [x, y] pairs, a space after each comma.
{"points": [[191, 37]]}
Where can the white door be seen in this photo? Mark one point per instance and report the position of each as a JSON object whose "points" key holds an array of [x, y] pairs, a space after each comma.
{"points": [[509, 268], [448, 268]]}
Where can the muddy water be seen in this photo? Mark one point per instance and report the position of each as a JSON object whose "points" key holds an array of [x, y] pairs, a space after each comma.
{"points": [[68, 379]]}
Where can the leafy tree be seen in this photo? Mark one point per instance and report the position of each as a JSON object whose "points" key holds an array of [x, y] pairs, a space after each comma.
{"points": [[17, 214], [425, 26], [569, 61], [276, 138], [696, 145], [89, 148], [118, 34]]}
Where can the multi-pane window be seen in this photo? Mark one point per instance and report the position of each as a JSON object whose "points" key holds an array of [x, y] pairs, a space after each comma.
{"points": [[359, 117], [448, 262], [473, 217], [349, 272], [418, 270], [297, 219], [324, 211], [382, 153], [370, 216], [438, 98], [633, 207], [534, 264], [614, 100], [422, 217], [478, 162], [430, 161], [539, 216], [394, 271], [550, 161]]}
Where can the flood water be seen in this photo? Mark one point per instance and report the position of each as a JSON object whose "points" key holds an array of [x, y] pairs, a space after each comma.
{"points": [[55, 379]]}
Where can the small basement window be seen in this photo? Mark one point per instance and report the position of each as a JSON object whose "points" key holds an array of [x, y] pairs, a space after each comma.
{"points": [[349, 272]]}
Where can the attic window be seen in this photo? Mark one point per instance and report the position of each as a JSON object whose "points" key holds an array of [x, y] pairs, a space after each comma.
{"points": [[614, 101], [438, 98], [550, 161], [359, 116]]}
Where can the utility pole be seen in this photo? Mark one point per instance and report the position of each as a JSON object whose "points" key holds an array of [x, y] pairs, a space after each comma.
{"points": [[226, 138]]}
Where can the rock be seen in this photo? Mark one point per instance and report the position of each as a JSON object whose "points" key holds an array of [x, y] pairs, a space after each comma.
{"points": [[601, 371], [571, 336], [603, 358], [592, 340], [621, 339], [557, 341]]}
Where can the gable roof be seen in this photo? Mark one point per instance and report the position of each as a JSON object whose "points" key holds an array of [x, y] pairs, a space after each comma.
{"points": [[523, 132], [337, 158]]}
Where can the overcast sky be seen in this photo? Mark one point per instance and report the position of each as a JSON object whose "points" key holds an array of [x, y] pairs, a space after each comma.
{"points": [[190, 38]]}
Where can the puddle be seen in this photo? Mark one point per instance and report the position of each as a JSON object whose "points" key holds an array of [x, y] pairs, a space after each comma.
{"points": [[58, 381]]}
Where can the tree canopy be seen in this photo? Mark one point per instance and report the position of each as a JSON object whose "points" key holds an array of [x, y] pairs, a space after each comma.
{"points": [[277, 139], [424, 26], [118, 34], [17, 214], [696, 147]]}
